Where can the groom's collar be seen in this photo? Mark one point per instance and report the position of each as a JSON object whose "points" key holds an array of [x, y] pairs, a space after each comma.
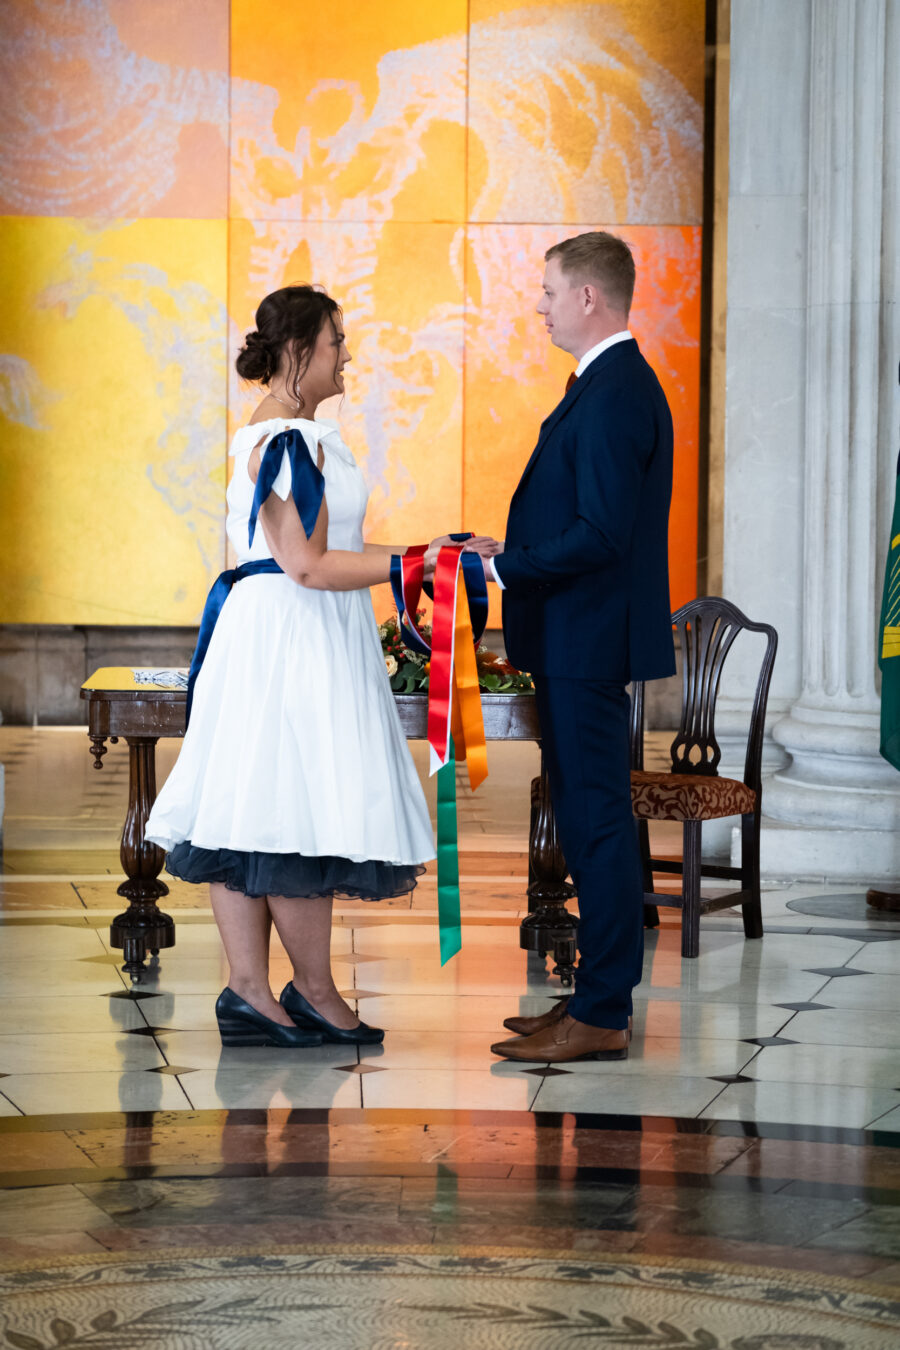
{"points": [[600, 348]]}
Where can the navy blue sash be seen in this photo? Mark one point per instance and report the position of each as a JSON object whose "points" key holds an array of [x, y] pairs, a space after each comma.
{"points": [[221, 589], [307, 490]]}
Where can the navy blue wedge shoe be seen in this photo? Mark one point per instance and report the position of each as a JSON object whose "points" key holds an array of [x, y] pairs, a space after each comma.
{"points": [[239, 1024], [305, 1015]]}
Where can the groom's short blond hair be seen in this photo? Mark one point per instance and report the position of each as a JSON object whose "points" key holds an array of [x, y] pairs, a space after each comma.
{"points": [[601, 258]]}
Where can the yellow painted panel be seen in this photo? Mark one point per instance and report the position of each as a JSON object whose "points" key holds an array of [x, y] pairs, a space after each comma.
{"points": [[113, 444], [357, 117], [583, 111]]}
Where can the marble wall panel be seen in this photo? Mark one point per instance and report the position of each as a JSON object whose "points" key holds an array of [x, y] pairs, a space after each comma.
{"points": [[768, 150]]}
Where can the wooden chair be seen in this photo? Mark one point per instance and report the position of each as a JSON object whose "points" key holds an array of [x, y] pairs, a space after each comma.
{"points": [[693, 791]]}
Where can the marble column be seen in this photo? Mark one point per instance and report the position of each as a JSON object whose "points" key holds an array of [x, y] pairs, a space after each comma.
{"points": [[764, 352], [832, 805]]}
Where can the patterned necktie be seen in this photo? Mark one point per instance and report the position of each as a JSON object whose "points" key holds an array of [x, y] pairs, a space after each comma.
{"points": [[570, 381]]}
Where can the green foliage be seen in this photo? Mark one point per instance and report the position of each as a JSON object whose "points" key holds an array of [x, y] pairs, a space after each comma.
{"points": [[495, 676]]}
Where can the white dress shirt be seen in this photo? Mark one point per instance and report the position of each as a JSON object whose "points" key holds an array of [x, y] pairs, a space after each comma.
{"points": [[589, 356]]}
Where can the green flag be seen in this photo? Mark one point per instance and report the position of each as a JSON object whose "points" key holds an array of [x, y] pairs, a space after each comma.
{"points": [[889, 645]]}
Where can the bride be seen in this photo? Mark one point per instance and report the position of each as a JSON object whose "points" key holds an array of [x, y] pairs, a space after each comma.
{"points": [[294, 783]]}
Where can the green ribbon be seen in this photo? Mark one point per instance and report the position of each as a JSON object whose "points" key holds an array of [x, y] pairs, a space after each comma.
{"points": [[449, 919]]}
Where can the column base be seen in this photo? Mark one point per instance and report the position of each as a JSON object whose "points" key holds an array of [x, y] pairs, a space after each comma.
{"points": [[815, 852]]}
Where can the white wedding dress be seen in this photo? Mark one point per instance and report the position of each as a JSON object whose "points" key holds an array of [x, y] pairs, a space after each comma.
{"points": [[294, 746]]}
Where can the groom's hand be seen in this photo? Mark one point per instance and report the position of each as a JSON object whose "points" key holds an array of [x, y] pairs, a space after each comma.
{"points": [[481, 544], [486, 549]]}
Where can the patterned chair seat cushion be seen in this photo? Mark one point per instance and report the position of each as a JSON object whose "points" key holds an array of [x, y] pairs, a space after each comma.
{"points": [[688, 796]]}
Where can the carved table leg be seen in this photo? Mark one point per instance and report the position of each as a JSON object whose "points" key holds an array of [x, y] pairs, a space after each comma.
{"points": [[549, 924], [141, 925]]}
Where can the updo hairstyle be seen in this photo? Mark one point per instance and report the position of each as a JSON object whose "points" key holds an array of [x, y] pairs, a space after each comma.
{"points": [[291, 318]]}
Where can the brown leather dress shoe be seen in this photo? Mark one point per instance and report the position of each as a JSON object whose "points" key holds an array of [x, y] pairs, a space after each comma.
{"points": [[564, 1041], [527, 1026]]}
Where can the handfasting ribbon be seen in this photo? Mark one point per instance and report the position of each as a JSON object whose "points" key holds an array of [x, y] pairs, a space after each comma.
{"points": [[467, 703], [449, 916], [407, 575], [221, 589], [455, 721]]}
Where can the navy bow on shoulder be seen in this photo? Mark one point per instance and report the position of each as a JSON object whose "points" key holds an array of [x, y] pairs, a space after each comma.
{"points": [[307, 482], [307, 490]]}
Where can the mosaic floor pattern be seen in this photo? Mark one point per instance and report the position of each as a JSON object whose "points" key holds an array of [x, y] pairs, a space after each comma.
{"points": [[365, 1299]]}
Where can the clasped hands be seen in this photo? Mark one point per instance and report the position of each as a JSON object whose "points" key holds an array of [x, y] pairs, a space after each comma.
{"points": [[482, 544]]}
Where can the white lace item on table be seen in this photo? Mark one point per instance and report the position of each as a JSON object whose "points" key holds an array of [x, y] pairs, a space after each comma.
{"points": [[173, 678]]}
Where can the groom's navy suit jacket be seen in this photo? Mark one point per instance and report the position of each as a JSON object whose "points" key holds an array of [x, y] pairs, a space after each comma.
{"points": [[586, 559]]}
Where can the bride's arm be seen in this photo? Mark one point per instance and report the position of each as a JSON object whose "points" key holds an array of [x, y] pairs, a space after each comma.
{"points": [[385, 548], [310, 562], [474, 545]]}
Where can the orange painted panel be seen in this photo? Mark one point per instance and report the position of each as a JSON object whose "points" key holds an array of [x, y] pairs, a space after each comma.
{"points": [[580, 111], [403, 317], [114, 110], [361, 119], [514, 377]]}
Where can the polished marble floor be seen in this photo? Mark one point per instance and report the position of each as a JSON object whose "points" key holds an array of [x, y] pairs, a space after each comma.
{"points": [[757, 1119], [799, 1028]]}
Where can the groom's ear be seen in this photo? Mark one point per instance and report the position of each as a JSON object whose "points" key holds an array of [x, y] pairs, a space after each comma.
{"points": [[591, 297]]}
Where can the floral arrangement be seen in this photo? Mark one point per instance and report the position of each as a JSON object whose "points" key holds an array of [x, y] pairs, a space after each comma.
{"points": [[408, 670]]}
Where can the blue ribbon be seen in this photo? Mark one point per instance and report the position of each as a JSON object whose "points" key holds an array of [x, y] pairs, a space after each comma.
{"points": [[307, 482], [410, 636], [476, 589], [219, 593]]}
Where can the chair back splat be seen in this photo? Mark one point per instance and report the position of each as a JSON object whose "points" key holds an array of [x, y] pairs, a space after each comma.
{"points": [[707, 629], [694, 792]]}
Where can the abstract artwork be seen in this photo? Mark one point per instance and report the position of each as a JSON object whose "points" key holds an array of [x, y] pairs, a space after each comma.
{"points": [[165, 165]]}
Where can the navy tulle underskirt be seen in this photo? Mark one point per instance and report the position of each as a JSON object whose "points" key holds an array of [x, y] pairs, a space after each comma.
{"points": [[292, 874]]}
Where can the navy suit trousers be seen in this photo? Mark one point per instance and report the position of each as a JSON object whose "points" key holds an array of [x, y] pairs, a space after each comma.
{"points": [[585, 738]]}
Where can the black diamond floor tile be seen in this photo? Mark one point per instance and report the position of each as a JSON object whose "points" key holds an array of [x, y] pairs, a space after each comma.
{"points": [[803, 1007], [768, 1040], [151, 1031], [835, 972]]}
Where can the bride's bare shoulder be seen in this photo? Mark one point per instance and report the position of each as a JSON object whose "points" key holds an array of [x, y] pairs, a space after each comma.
{"points": [[264, 411]]}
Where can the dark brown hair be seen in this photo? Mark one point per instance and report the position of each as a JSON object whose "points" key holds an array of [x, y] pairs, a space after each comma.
{"points": [[291, 319], [601, 258]]}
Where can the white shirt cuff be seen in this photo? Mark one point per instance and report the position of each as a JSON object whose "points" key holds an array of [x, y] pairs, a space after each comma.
{"points": [[496, 575]]}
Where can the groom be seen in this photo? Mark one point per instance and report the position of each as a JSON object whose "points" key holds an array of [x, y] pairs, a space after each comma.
{"points": [[584, 572]]}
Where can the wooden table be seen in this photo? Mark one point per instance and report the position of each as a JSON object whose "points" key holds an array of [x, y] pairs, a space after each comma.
{"points": [[142, 713]]}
